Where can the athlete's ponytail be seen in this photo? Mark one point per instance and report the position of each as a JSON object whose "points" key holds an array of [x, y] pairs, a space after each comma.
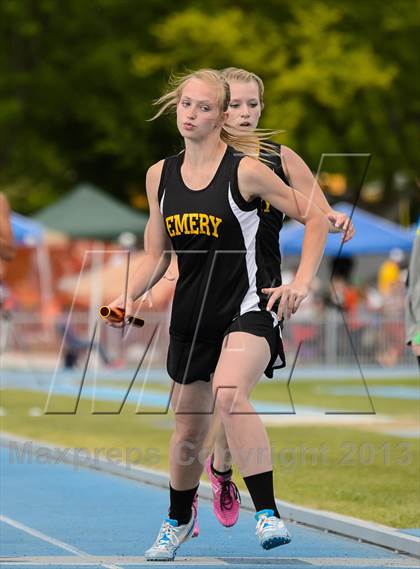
{"points": [[249, 143]]}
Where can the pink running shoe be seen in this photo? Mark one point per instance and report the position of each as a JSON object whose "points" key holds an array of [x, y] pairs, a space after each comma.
{"points": [[196, 529], [226, 498]]}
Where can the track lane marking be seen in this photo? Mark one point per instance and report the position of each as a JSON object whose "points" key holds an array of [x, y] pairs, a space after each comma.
{"points": [[52, 540], [180, 560]]}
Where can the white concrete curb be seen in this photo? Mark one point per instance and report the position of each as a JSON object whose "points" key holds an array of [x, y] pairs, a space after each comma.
{"points": [[328, 521]]}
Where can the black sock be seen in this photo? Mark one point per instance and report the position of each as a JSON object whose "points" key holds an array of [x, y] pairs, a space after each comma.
{"points": [[181, 504], [260, 486], [217, 472]]}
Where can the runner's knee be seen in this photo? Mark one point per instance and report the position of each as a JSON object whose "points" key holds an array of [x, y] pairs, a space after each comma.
{"points": [[194, 430], [229, 399]]}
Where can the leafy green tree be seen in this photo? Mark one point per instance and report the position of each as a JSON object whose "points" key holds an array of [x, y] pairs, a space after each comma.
{"points": [[77, 81], [71, 106], [324, 81]]}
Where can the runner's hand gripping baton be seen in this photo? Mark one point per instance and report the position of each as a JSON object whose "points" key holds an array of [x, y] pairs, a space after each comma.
{"points": [[117, 315]]}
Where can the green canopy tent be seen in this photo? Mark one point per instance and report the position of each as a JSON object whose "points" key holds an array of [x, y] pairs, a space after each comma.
{"points": [[87, 212]]}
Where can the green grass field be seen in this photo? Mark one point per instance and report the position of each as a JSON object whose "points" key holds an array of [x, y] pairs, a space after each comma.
{"points": [[317, 394], [346, 470]]}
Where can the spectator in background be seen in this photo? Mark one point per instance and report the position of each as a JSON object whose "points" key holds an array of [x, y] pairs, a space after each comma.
{"points": [[412, 312], [390, 338], [342, 294], [345, 298], [390, 271], [76, 345]]}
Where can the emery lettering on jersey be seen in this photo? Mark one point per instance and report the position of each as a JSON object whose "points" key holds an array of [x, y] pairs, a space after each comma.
{"points": [[192, 224]]}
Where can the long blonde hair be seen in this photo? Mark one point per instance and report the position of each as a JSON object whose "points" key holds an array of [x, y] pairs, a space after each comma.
{"points": [[249, 143]]}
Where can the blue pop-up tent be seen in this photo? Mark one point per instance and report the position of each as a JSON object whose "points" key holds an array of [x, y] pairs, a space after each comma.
{"points": [[26, 231], [374, 235]]}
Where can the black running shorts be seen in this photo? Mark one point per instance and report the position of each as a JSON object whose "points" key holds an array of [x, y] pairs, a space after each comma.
{"points": [[188, 362]]}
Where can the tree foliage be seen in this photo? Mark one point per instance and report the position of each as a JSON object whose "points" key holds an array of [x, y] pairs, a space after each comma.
{"points": [[77, 81]]}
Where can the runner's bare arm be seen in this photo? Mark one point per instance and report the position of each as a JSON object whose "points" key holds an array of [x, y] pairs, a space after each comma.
{"points": [[157, 245], [257, 180], [302, 179]]}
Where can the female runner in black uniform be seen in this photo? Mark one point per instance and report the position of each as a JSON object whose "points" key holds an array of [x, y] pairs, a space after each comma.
{"points": [[245, 107], [204, 203]]}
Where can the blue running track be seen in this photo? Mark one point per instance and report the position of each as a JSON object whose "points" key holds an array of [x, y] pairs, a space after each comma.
{"points": [[60, 516]]}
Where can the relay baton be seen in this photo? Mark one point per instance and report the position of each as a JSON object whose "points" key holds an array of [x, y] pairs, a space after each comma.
{"points": [[117, 315]]}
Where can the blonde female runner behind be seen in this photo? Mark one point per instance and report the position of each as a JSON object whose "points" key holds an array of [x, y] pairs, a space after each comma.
{"points": [[245, 108]]}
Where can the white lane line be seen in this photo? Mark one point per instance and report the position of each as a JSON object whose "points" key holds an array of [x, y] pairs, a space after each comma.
{"points": [[51, 540], [385, 562], [45, 561], [39, 535]]}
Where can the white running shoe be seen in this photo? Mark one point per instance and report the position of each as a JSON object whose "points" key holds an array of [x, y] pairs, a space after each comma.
{"points": [[170, 537], [271, 530]]}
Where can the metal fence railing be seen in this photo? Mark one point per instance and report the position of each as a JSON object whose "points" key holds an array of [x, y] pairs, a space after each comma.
{"points": [[371, 339], [336, 340]]}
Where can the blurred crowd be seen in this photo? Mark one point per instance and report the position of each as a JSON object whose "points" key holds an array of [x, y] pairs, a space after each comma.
{"points": [[370, 316]]}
